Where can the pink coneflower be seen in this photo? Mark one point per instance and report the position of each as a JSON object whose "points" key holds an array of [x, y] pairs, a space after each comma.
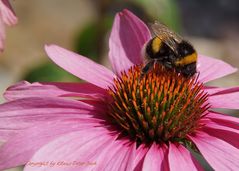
{"points": [[117, 121], [7, 17]]}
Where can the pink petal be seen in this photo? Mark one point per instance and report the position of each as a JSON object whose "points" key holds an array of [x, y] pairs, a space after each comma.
{"points": [[20, 148], [81, 146], [7, 12], [13, 126], [211, 68], [80, 66], [214, 125], [156, 159], [229, 100], [6, 134], [115, 155], [127, 38], [2, 33], [225, 133], [128, 161], [119, 157], [25, 89], [219, 154], [40, 107], [223, 119], [23, 113], [181, 159], [140, 154], [105, 155], [224, 127], [213, 90], [220, 91]]}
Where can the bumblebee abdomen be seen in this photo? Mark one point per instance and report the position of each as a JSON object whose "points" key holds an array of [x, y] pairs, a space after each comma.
{"points": [[187, 54], [188, 59], [186, 62]]}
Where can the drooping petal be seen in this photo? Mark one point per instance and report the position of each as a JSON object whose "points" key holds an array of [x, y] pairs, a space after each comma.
{"points": [[219, 91], [37, 106], [75, 148], [127, 161], [221, 100], [223, 126], [139, 159], [211, 89], [2, 33], [211, 68], [214, 125], [156, 159], [127, 38], [226, 133], [80, 66], [180, 159], [7, 16], [119, 156], [219, 154], [25, 89], [22, 113], [20, 148], [6, 134], [223, 119], [7, 12]]}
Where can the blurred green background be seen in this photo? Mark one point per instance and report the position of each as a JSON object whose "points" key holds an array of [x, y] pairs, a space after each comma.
{"points": [[84, 27]]}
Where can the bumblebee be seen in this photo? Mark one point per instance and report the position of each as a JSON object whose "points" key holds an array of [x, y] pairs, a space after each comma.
{"points": [[170, 50]]}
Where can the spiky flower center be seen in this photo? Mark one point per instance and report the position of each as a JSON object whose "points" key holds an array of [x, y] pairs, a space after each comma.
{"points": [[161, 106]]}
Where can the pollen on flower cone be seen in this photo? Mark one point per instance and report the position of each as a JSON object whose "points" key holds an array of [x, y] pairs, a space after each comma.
{"points": [[161, 106]]}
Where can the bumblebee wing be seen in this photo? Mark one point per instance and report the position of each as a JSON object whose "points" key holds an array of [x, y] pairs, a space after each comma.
{"points": [[160, 30], [169, 37]]}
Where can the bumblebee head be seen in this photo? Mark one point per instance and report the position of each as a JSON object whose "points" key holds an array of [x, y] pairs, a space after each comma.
{"points": [[189, 69]]}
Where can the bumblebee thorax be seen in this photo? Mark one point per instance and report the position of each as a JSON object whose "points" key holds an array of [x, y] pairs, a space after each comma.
{"points": [[157, 49]]}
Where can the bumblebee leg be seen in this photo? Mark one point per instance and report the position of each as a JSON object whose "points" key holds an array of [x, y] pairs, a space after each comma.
{"points": [[168, 65], [148, 67]]}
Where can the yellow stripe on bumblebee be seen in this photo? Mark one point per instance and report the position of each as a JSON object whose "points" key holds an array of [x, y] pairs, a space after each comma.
{"points": [[187, 60], [156, 45]]}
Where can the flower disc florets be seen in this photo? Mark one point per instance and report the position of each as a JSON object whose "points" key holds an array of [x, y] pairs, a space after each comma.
{"points": [[161, 106]]}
